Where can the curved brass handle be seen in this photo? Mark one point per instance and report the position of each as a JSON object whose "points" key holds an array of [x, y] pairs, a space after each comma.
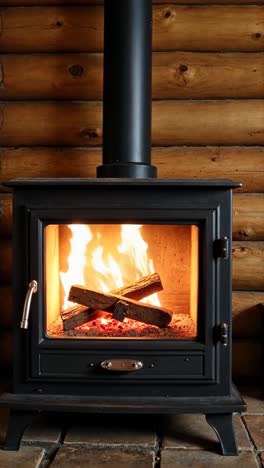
{"points": [[32, 288]]}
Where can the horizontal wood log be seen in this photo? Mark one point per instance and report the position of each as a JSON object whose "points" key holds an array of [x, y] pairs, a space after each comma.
{"points": [[176, 75], [241, 164], [247, 358], [105, 301], [6, 312], [146, 314], [173, 123], [78, 315], [248, 266], [248, 314], [80, 28], [5, 262], [101, 2], [6, 213], [248, 217]]}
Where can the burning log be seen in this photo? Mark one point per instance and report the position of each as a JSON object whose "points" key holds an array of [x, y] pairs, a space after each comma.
{"points": [[145, 313], [80, 314], [141, 312]]}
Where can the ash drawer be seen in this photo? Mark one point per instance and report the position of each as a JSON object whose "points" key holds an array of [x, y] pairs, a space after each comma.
{"points": [[76, 365]]}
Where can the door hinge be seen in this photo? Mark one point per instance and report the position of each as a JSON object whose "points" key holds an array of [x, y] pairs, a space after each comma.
{"points": [[223, 333], [222, 248]]}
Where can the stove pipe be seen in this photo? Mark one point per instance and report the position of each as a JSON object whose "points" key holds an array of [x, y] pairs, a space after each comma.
{"points": [[127, 90]]}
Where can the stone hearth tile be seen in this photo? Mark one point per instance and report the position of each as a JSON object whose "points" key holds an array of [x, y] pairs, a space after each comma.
{"points": [[71, 457], [254, 398], [204, 459], [255, 426], [45, 429], [191, 431], [114, 431], [4, 414], [25, 457]]}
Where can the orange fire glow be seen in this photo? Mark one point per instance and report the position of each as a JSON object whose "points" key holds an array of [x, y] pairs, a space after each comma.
{"points": [[109, 267]]}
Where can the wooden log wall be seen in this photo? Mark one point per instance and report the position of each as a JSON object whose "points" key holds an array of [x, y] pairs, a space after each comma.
{"points": [[208, 120]]}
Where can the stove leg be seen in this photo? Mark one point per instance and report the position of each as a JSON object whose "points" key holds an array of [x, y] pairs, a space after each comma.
{"points": [[18, 421], [224, 429]]}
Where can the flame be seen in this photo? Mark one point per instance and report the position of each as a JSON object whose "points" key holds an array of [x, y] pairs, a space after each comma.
{"points": [[81, 236], [102, 269]]}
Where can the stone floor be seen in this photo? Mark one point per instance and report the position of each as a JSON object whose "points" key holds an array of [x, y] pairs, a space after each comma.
{"points": [[136, 440]]}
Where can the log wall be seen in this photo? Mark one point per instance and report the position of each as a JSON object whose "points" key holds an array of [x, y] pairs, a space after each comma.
{"points": [[208, 121]]}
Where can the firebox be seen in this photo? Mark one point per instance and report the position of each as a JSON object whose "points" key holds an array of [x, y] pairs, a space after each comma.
{"points": [[110, 257], [122, 284]]}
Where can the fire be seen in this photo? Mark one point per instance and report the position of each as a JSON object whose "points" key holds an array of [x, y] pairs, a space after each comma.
{"points": [[81, 236], [102, 268]]}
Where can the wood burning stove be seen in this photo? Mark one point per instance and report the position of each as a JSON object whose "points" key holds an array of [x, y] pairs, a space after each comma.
{"points": [[96, 240], [187, 225]]}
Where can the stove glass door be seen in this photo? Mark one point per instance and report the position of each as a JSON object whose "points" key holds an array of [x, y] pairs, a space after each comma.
{"points": [[121, 281]]}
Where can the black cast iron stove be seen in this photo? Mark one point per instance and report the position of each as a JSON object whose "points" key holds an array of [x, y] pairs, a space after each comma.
{"points": [[109, 242]]}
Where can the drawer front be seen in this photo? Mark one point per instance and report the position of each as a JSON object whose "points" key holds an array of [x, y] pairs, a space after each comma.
{"points": [[74, 365]]}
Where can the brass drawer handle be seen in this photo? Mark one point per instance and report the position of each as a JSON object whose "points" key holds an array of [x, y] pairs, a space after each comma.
{"points": [[122, 365], [32, 288]]}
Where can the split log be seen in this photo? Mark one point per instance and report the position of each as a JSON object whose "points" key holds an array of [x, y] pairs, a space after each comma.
{"points": [[145, 313], [144, 287], [80, 314]]}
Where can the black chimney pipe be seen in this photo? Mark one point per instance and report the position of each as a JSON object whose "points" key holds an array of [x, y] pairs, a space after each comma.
{"points": [[127, 90]]}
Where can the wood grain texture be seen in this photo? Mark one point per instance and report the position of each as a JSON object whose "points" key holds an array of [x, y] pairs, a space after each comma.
{"points": [[5, 262], [248, 266], [242, 164], [248, 217], [101, 2], [6, 315], [173, 123], [182, 27], [176, 75], [248, 314], [247, 358], [5, 215]]}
